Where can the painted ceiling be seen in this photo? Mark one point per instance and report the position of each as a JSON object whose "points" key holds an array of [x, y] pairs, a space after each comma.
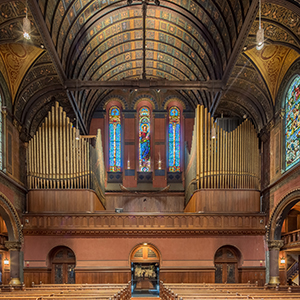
{"points": [[202, 52]]}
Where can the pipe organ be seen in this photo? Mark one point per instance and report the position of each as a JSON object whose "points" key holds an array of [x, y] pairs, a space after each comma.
{"points": [[228, 161], [57, 160]]}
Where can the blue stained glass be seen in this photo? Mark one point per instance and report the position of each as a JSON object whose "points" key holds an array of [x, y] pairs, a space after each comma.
{"points": [[144, 140], [1, 146], [292, 124], [114, 139], [174, 139]]}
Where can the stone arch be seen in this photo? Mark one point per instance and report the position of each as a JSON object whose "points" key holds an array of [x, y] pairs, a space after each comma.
{"points": [[279, 213], [11, 219]]}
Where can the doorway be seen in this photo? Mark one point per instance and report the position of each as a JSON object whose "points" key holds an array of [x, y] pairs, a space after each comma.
{"points": [[226, 263], [63, 265], [145, 271]]}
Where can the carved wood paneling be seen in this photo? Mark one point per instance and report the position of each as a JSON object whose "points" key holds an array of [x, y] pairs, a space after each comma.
{"points": [[225, 201], [41, 201], [137, 224]]}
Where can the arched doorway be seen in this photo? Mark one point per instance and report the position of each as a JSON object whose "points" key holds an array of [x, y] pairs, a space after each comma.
{"points": [[145, 261], [11, 242], [62, 261], [281, 213], [226, 263]]}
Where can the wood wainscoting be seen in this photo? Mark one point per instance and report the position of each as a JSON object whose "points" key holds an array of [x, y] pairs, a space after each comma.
{"points": [[36, 276], [252, 274], [187, 275], [103, 275], [225, 201], [76, 201]]}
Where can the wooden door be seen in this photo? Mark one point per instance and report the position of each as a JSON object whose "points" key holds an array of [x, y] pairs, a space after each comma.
{"points": [[63, 266], [226, 263]]}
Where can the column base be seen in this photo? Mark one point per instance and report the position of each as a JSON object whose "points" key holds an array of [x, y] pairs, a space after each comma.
{"points": [[15, 281], [274, 280]]}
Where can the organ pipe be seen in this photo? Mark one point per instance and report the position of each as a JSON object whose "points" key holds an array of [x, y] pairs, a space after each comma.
{"points": [[231, 160], [56, 160]]}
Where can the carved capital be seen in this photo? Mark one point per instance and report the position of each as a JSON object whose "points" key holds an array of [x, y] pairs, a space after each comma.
{"points": [[275, 244], [13, 245]]}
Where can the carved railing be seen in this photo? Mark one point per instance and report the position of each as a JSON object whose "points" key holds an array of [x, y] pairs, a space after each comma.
{"points": [[291, 239], [151, 223]]}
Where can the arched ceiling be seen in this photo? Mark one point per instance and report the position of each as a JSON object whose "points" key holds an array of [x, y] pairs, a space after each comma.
{"points": [[201, 51]]}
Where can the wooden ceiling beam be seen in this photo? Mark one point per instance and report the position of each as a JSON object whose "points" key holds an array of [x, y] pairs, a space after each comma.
{"points": [[145, 84]]}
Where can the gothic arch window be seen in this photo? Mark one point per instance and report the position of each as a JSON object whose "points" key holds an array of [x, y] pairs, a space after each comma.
{"points": [[174, 139], [114, 139], [292, 124], [144, 140]]}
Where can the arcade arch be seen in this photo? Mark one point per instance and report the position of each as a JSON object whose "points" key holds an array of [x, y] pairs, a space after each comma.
{"points": [[145, 262]]}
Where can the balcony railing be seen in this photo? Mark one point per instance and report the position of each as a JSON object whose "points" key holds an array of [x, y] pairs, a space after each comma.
{"points": [[292, 238]]}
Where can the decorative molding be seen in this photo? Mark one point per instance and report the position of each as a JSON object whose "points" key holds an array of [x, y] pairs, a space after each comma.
{"points": [[13, 245], [137, 224], [145, 232], [275, 244]]}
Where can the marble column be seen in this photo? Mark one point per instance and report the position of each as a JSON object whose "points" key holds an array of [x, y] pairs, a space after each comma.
{"points": [[14, 248], [274, 248]]}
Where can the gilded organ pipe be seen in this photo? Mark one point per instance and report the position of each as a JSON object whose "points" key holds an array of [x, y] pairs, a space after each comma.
{"points": [[56, 160], [231, 160]]}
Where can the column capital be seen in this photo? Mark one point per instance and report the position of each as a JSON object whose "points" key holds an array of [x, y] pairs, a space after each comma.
{"points": [[275, 244], [13, 245]]}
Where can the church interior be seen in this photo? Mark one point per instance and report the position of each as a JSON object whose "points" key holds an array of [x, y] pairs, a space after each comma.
{"points": [[148, 141]]}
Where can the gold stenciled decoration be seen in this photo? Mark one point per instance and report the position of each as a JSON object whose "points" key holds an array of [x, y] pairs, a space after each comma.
{"points": [[57, 160], [228, 161]]}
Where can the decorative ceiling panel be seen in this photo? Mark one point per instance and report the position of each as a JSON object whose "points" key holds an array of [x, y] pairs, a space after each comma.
{"points": [[273, 61]]}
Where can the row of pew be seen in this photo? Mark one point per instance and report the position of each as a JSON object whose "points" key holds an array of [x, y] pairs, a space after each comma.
{"points": [[209, 291], [68, 292]]}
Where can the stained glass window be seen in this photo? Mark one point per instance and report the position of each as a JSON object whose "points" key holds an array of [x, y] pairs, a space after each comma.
{"points": [[114, 139], [144, 139], [1, 141], [174, 139], [292, 124]]}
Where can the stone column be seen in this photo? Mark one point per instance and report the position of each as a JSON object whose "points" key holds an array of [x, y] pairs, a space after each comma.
{"points": [[14, 248], [274, 247]]}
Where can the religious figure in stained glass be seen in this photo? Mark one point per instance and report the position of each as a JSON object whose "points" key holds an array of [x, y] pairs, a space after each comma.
{"points": [[144, 139], [174, 139], [114, 139], [292, 124]]}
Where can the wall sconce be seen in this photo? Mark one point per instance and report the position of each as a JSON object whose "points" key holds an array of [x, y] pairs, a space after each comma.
{"points": [[6, 261], [282, 260], [128, 164]]}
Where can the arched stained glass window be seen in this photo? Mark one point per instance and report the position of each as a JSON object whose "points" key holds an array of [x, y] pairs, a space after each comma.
{"points": [[1, 141], [114, 139], [144, 139], [174, 139], [292, 124]]}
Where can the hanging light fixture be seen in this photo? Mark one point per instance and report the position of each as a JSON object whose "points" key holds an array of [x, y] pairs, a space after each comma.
{"points": [[213, 131], [260, 31], [26, 26]]}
